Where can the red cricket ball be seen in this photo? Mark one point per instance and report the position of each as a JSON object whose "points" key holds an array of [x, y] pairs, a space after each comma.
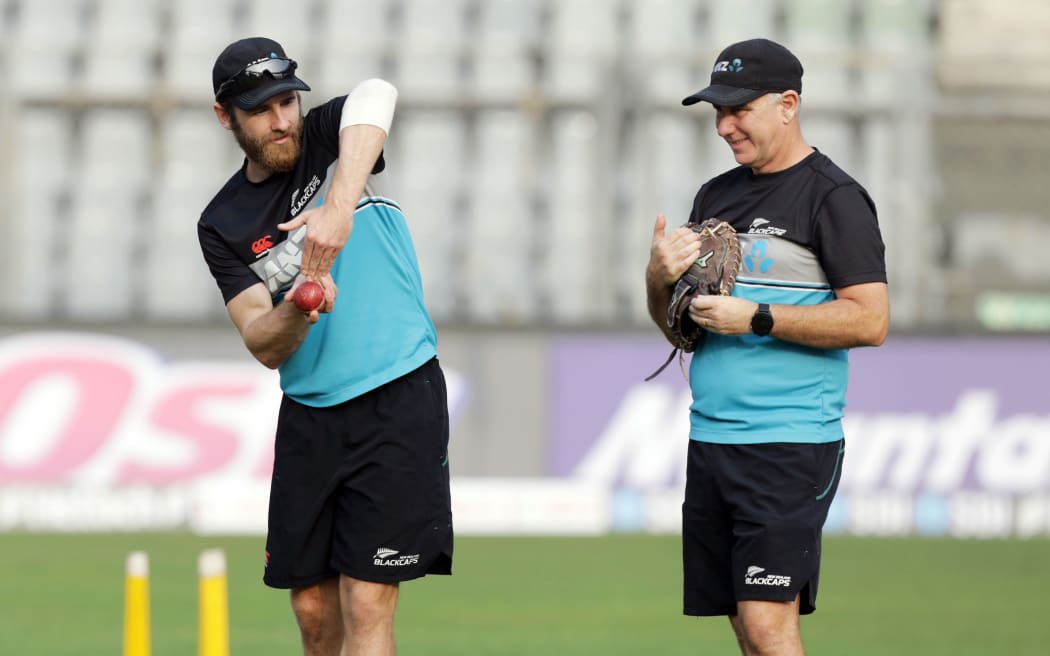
{"points": [[308, 296]]}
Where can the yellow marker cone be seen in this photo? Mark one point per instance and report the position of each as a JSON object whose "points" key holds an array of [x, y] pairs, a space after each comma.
{"points": [[136, 605], [214, 625]]}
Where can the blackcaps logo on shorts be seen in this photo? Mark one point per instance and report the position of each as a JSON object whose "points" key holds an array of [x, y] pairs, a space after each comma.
{"points": [[386, 557], [752, 577]]}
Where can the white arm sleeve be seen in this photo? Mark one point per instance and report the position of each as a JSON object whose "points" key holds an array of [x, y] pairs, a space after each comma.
{"points": [[371, 103]]}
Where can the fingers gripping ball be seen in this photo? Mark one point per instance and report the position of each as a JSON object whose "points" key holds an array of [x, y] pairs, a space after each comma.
{"points": [[713, 273], [308, 296]]}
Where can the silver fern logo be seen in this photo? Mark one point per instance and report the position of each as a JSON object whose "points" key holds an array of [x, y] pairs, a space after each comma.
{"points": [[387, 557]]}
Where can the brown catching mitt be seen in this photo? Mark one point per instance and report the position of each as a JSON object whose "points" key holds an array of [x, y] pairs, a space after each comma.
{"points": [[713, 273]]}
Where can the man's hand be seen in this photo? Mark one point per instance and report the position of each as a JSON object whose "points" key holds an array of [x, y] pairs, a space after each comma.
{"points": [[669, 257], [727, 315], [330, 292], [327, 229], [671, 254]]}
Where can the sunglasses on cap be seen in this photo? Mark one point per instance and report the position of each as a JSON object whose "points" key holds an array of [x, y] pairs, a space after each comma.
{"points": [[249, 77]]}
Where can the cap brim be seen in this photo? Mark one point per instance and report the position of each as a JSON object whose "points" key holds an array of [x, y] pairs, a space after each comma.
{"points": [[259, 95], [724, 96]]}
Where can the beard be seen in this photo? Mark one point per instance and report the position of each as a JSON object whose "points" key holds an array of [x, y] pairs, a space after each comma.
{"points": [[276, 158]]}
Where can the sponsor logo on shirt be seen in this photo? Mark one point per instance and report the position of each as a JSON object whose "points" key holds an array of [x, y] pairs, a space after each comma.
{"points": [[261, 245], [762, 226], [299, 202]]}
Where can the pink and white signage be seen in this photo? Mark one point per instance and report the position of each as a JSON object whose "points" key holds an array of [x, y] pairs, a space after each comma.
{"points": [[944, 437]]}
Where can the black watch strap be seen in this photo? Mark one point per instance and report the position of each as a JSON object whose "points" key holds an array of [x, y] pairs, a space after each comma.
{"points": [[762, 320]]}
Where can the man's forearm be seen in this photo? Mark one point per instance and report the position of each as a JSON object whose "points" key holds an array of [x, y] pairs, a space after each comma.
{"points": [[359, 148], [658, 297], [274, 336], [363, 128], [839, 324]]}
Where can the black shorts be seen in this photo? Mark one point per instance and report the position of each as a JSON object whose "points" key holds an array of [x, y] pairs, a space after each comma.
{"points": [[362, 488], [752, 522]]}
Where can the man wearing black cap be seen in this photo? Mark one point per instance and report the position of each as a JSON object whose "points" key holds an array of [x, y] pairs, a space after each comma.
{"points": [[769, 377], [359, 497]]}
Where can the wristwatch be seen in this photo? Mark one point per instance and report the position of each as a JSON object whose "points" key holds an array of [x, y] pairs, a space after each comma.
{"points": [[762, 321]]}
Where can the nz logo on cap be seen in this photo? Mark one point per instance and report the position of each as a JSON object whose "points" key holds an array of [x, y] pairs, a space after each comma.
{"points": [[734, 66]]}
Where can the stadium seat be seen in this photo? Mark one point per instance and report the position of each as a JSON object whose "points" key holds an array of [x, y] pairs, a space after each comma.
{"points": [[874, 162], [500, 76], [578, 201], [504, 151], [661, 53], [353, 45], [510, 25], [195, 151], [729, 22], [270, 18], [874, 158], [665, 167], [101, 274], [33, 271], [176, 283], [40, 168], [428, 76], [199, 30], [352, 40], [36, 73], [833, 135], [427, 164], [336, 71], [662, 27], [581, 63], [115, 73], [818, 25], [498, 236], [897, 48], [678, 165], [513, 114], [357, 23], [120, 52], [55, 23], [430, 50], [892, 25], [43, 149], [107, 213], [819, 32], [42, 46], [428, 147], [433, 23], [504, 50], [633, 228], [668, 165], [435, 219], [499, 274], [197, 157], [108, 131]]}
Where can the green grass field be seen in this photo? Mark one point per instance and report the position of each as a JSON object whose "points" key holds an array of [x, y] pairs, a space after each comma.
{"points": [[63, 594]]}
